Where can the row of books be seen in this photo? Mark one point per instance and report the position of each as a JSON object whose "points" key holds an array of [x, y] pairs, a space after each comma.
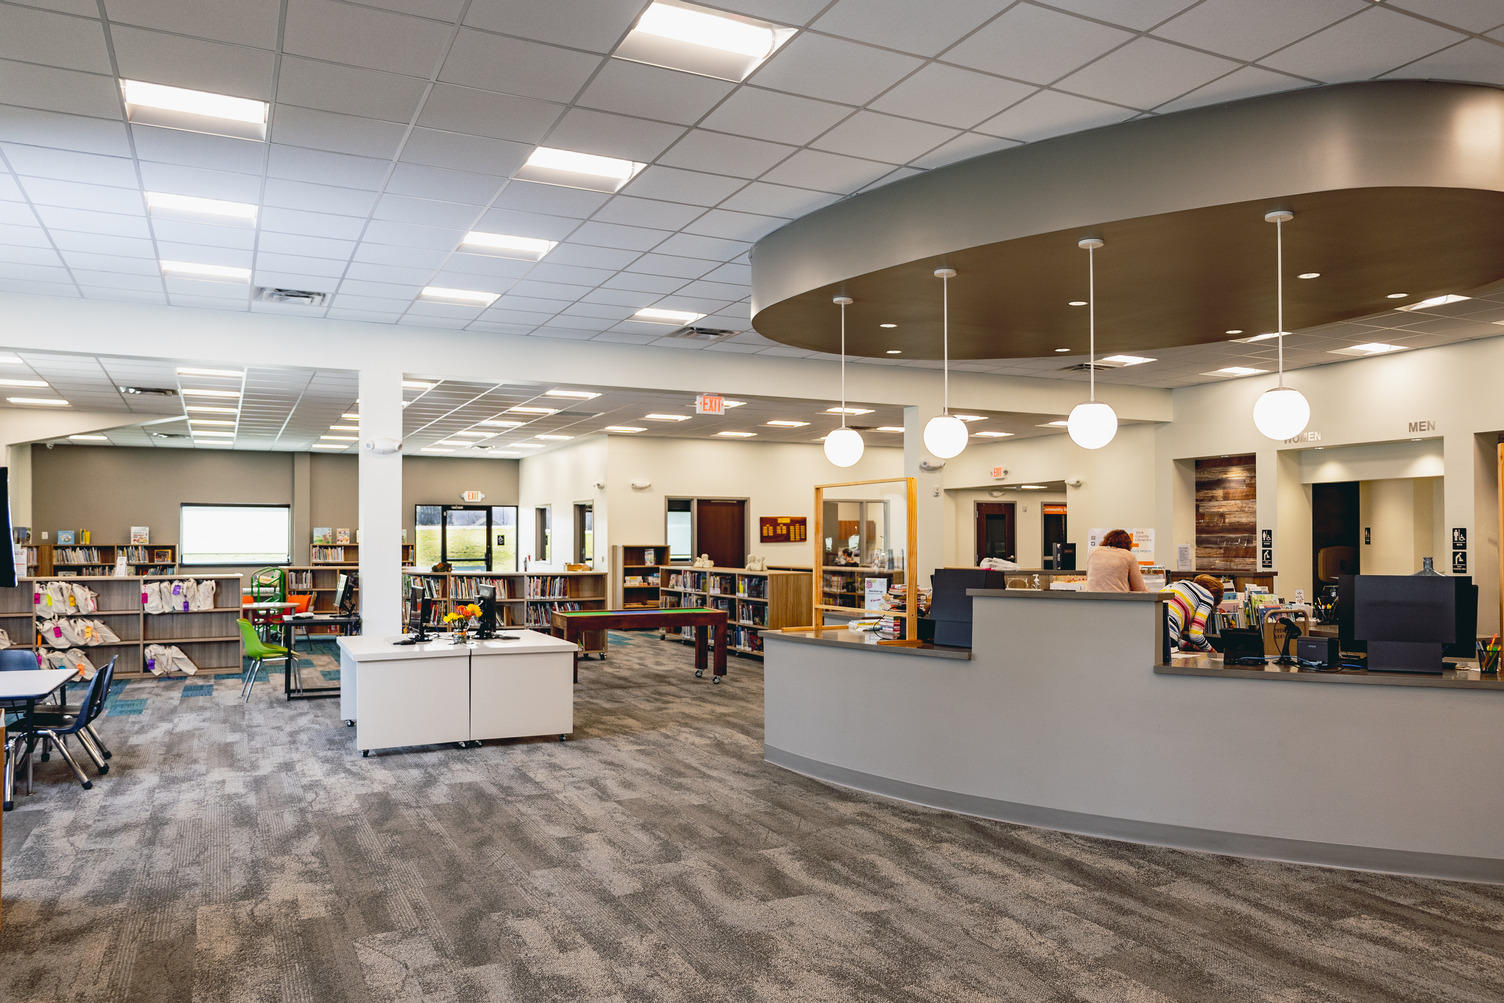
{"points": [[78, 555], [328, 555], [467, 588], [539, 614], [544, 586]]}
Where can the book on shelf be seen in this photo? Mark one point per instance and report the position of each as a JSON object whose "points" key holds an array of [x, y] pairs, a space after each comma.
{"points": [[341, 536], [140, 534], [650, 555], [323, 534], [65, 538], [329, 555]]}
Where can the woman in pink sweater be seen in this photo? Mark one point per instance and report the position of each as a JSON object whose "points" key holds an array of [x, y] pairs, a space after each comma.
{"points": [[1112, 566]]}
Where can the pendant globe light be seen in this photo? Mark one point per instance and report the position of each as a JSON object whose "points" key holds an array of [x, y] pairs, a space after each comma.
{"points": [[844, 446], [1092, 423], [1281, 413], [945, 434]]}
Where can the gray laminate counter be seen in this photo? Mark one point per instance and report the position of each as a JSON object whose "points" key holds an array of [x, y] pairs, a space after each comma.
{"points": [[1211, 666], [840, 637]]}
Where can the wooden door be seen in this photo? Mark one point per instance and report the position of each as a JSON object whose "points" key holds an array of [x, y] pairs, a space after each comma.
{"points": [[721, 531], [995, 530]]}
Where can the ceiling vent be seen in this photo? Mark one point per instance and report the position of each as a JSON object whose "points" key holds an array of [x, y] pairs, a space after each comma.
{"points": [[693, 333], [168, 435], [297, 297], [157, 391]]}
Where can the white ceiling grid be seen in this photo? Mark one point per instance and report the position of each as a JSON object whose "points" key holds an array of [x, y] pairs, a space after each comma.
{"points": [[396, 125]]}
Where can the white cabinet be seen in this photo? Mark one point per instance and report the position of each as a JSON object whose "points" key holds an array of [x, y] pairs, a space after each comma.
{"points": [[512, 695]]}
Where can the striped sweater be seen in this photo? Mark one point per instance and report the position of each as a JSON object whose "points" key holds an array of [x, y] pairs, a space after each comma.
{"points": [[1189, 607]]}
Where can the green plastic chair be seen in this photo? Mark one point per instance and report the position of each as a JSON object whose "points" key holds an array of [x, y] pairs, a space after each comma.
{"points": [[258, 651]]}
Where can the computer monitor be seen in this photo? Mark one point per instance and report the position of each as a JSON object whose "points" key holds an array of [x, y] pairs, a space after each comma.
{"points": [[486, 598], [420, 611], [1407, 620], [344, 594]]}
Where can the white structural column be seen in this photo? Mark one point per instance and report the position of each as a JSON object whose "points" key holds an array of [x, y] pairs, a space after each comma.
{"points": [[380, 502], [930, 505]]}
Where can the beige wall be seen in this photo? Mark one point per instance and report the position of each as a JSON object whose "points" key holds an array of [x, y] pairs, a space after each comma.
{"points": [[440, 480], [1403, 520]]}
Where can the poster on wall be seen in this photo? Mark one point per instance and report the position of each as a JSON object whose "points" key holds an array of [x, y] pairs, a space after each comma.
{"points": [[1143, 542], [783, 529]]}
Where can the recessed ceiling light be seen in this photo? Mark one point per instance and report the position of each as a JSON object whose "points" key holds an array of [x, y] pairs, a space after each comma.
{"points": [[10, 360], [1032, 487], [683, 36], [848, 410], [351, 417], [196, 209], [895, 351], [1076, 303], [1396, 296], [206, 392], [653, 315], [523, 445], [344, 428], [728, 402], [780, 423], [86, 437], [479, 435], [23, 383], [1235, 330], [1062, 350], [1123, 361], [332, 445], [520, 409], [434, 449], [231, 374], [498, 423], [1235, 371], [623, 428], [1055, 424], [1368, 348], [737, 435], [991, 435], [210, 421], [338, 438], [195, 111], [210, 409], [212, 433], [553, 438], [583, 395], [1309, 275], [666, 417], [1257, 337], [577, 170], [441, 442], [888, 326], [467, 297], [195, 270], [417, 385], [1435, 301], [888, 428], [505, 246]]}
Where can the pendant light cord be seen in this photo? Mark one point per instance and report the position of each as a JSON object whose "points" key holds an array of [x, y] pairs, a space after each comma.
{"points": [[1091, 308], [843, 365], [945, 338], [1279, 284]]}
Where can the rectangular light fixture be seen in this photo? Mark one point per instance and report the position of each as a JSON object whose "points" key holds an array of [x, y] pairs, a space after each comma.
{"points": [[85, 437], [737, 435], [468, 297], [888, 428], [991, 435], [344, 428], [1125, 360], [23, 383], [212, 433], [554, 438], [195, 270], [43, 401], [521, 409], [229, 374], [205, 392], [728, 402], [666, 417], [504, 245], [200, 210], [338, 438], [434, 449], [10, 360], [652, 315], [786, 424], [1435, 301], [441, 442], [477, 435], [682, 36], [1032, 487], [1235, 371], [210, 409], [569, 169], [623, 428], [580, 395], [1370, 348], [328, 445], [350, 417], [210, 421], [523, 445], [848, 410], [496, 423], [1256, 337], [417, 385], [194, 111], [1062, 423]]}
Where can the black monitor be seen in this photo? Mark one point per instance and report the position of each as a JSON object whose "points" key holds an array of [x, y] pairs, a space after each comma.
{"points": [[1407, 620], [344, 594], [420, 611], [486, 599]]}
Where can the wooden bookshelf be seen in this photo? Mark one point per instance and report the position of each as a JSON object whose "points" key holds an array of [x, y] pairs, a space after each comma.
{"points": [[98, 559], [755, 600], [844, 585], [634, 574], [523, 599], [347, 554]]}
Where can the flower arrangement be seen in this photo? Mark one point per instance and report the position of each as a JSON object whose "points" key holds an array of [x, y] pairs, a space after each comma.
{"points": [[462, 615]]}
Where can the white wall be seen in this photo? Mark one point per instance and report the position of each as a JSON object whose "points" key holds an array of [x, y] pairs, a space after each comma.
{"points": [[1402, 520], [562, 478], [1028, 522]]}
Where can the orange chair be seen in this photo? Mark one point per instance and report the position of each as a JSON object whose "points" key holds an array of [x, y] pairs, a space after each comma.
{"points": [[303, 602]]}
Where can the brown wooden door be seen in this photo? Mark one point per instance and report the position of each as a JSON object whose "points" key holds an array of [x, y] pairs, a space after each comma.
{"points": [[995, 533], [721, 531]]}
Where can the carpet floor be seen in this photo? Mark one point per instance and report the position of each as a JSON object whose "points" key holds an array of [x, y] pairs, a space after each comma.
{"points": [[248, 853]]}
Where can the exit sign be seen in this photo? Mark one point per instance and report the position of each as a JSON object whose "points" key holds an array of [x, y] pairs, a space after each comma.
{"points": [[472, 496], [710, 404], [998, 473]]}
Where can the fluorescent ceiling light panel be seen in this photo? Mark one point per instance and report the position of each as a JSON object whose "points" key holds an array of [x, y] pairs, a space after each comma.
{"points": [[569, 169], [194, 111], [89, 438], [43, 401], [417, 385], [968, 417], [504, 245], [623, 428], [786, 424], [229, 374], [1369, 348], [728, 402], [888, 428], [1123, 361], [682, 36], [496, 423], [344, 428], [210, 421], [441, 442], [477, 435], [737, 435], [528, 410], [1256, 337], [10, 360], [350, 417], [666, 417], [523, 445], [992, 435], [212, 433], [200, 210], [469, 297], [1062, 423], [328, 445], [194, 270], [581, 395], [848, 410], [1235, 371], [23, 383], [895, 351], [652, 315], [1032, 487], [554, 438], [434, 449], [338, 438], [1435, 301], [203, 392], [210, 409]]}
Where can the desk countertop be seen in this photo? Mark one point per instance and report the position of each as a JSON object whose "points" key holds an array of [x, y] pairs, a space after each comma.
{"points": [[1211, 665], [842, 638], [24, 684], [381, 649]]}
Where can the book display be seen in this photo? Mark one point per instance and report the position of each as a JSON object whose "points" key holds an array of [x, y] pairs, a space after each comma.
{"points": [[754, 600], [100, 559], [523, 599], [634, 575]]}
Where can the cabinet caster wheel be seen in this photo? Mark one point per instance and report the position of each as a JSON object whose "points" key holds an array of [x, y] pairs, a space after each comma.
{"points": [[715, 680], [364, 753], [699, 673], [563, 738], [349, 723], [603, 656]]}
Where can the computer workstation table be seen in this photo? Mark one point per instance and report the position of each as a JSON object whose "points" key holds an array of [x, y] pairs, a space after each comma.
{"points": [[292, 679], [516, 685]]}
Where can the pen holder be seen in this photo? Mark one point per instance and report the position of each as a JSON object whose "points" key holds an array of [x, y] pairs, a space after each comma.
{"points": [[1488, 660]]}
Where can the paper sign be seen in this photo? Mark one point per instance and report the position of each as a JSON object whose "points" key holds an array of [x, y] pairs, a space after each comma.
{"points": [[875, 589]]}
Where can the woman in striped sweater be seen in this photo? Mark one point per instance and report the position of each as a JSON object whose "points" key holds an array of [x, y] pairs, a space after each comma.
{"points": [[1190, 605]]}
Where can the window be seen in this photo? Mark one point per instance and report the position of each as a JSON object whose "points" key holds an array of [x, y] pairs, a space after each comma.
{"points": [[584, 533], [235, 534], [468, 537], [544, 533], [680, 529]]}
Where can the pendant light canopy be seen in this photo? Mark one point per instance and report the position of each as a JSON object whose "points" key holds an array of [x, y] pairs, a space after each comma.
{"points": [[945, 435], [1092, 423], [1281, 413], [844, 446]]}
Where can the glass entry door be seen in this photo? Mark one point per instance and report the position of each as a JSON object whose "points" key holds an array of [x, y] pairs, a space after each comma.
{"points": [[467, 537]]}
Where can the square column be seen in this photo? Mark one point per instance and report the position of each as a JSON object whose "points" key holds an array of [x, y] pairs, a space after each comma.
{"points": [[380, 501]]}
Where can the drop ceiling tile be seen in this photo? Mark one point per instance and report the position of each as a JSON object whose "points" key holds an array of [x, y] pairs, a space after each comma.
{"points": [[193, 149], [117, 280], [963, 147], [194, 63], [623, 338], [1470, 15], [1146, 72], [313, 247], [826, 171], [833, 69], [158, 177], [367, 272], [83, 8], [437, 10], [296, 264], [246, 22], [1247, 82], [950, 95], [1036, 45], [109, 293], [323, 130], [369, 316], [777, 200], [771, 115], [598, 311], [520, 318], [634, 238], [563, 334], [84, 220], [24, 255], [557, 295], [440, 238], [448, 186], [710, 249], [486, 113], [734, 225], [135, 245], [526, 224], [632, 211], [876, 136], [312, 224], [733, 274], [204, 254], [294, 163], [1365, 45], [550, 270], [513, 66], [405, 209], [453, 151], [205, 234], [1473, 60], [487, 327], [716, 291], [37, 36], [1248, 31], [306, 196], [733, 348], [629, 280], [53, 89], [609, 135], [374, 304], [359, 36], [674, 185], [63, 132], [348, 90], [632, 300], [485, 264], [653, 92], [609, 258], [570, 322], [1139, 16], [394, 254], [66, 165], [382, 290], [596, 25], [87, 262], [1051, 113]]}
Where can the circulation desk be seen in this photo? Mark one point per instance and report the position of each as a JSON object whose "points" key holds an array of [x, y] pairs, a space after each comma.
{"points": [[1059, 718], [441, 692]]}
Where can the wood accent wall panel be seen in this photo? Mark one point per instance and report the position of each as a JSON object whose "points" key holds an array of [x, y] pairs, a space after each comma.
{"points": [[1226, 513]]}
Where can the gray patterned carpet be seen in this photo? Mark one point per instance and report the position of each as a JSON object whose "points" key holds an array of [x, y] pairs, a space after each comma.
{"points": [[248, 853]]}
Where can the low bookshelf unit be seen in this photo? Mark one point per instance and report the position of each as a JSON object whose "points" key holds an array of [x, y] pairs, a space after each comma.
{"points": [[755, 600]]}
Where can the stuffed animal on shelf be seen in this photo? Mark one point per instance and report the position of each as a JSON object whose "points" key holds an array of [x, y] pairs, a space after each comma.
{"points": [[703, 561]]}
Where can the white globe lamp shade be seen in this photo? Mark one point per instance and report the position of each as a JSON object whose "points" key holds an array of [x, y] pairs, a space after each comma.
{"points": [[945, 435], [1281, 413], [844, 446], [1092, 424]]}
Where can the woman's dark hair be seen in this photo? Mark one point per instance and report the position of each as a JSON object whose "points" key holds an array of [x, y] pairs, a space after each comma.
{"points": [[1118, 538]]}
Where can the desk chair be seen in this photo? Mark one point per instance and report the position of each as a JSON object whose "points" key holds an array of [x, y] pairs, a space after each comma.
{"points": [[258, 651], [53, 725]]}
